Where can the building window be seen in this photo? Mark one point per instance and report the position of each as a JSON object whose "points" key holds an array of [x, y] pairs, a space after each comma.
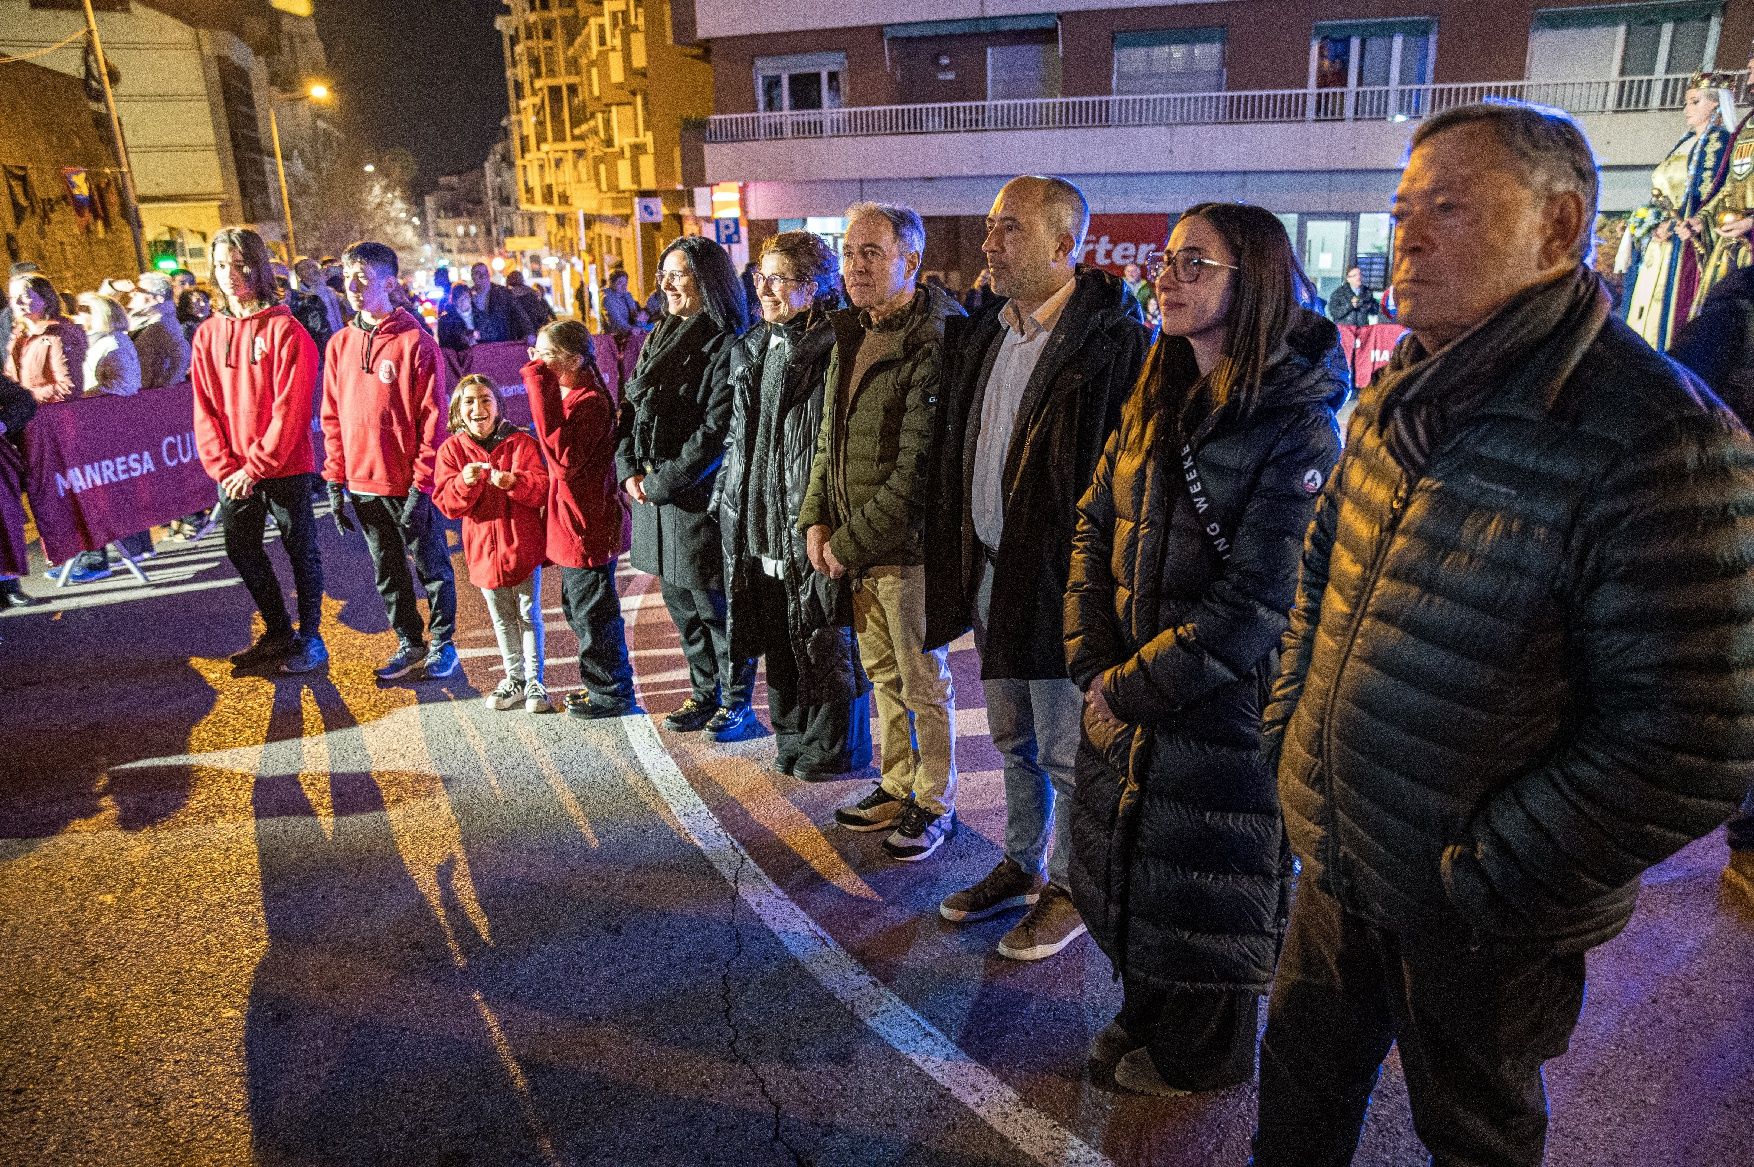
{"points": [[1017, 72], [801, 81], [1182, 60], [238, 96], [1364, 69], [1633, 41]]}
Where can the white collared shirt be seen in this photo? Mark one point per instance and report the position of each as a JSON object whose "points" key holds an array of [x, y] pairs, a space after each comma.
{"points": [[1026, 337]]}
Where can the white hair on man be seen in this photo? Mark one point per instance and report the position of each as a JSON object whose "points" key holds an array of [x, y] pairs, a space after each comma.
{"points": [[910, 232]]}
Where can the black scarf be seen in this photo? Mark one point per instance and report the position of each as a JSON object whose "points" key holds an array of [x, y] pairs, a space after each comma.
{"points": [[1536, 340]]}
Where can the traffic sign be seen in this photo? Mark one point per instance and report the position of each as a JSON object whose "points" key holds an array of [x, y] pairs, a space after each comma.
{"points": [[728, 231], [649, 209]]}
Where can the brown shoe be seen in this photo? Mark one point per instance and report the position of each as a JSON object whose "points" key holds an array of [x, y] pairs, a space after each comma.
{"points": [[1051, 925], [1005, 886], [1739, 874]]}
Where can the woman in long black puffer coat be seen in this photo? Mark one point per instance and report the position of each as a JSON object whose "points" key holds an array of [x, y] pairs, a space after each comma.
{"points": [[779, 606], [670, 440], [1183, 570]]}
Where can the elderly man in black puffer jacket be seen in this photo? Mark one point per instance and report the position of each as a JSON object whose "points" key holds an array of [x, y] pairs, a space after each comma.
{"points": [[1520, 669]]}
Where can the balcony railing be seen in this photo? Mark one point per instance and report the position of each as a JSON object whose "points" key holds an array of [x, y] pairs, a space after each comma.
{"points": [[1386, 103]]}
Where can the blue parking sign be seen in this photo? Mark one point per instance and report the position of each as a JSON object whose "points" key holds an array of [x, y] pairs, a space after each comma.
{"points": [[728, 231]]}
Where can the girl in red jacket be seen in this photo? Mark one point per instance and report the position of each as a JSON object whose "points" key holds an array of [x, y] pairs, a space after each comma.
{"points": [[490, 475], [587, 513]]}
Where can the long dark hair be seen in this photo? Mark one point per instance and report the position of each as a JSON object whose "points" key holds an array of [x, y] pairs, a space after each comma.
{"points": [[246, 245], [1270, 290], [720, 290]]}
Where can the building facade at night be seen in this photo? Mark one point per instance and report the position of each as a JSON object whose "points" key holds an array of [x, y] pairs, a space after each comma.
{"points": [[1301, 106], [599, 91], [194, 82]]}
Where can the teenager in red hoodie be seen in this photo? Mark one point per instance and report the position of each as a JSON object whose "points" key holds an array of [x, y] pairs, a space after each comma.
{"points": [[587, 515], [383, 420], [254, 370], [490, 475]]}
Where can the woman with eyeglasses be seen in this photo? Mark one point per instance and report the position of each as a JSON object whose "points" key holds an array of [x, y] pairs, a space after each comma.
{"points": [[670, 439], [779, 607], [1183, 569]]}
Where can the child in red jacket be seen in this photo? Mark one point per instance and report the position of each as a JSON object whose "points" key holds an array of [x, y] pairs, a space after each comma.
{"points": [[587, 513], [490, 475]]}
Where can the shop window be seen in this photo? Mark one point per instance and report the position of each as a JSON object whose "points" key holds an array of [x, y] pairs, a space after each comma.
{"points": [[1182, 60]]}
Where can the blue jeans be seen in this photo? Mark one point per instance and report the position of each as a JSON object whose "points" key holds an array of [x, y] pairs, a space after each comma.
{"points": [[1035, 727]]}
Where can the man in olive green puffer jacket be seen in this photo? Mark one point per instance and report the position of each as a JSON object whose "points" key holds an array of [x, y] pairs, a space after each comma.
{"points": [[864, 512]]}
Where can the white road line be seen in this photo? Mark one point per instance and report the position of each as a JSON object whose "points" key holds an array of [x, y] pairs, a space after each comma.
{"points": [[1030, 1131]]}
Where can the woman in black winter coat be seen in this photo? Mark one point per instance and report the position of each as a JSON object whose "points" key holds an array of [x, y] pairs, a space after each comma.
{"points": [[780, 606], [1183, 570], [670, 439]]}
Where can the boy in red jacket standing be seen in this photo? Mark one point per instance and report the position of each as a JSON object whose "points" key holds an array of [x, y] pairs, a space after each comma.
{"points": [[254, 370], [382, 425]]}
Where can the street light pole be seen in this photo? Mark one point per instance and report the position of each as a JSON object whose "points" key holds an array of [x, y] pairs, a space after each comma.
{"points": [[280, 169], [132, 210]]}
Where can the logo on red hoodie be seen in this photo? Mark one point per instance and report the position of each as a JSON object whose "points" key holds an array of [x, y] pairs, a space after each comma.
{"points": [[259, 350], [387, 371]]}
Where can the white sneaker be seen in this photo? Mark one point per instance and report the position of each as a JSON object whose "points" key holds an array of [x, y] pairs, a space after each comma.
{"points": [[508, 695], [536, 698]]}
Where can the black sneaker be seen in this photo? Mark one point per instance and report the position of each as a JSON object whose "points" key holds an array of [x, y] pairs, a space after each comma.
{"points": [[309, 654], [919, 833], [590, 707], [694, 714], [873, 812], [408, 659], [271, 646], [733, 723]]}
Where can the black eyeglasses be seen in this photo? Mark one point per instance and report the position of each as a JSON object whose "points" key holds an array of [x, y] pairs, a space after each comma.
{"points": [[1185, 265]]}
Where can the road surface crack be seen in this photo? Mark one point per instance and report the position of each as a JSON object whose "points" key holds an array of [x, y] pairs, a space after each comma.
{"points": [[777, 1135]]}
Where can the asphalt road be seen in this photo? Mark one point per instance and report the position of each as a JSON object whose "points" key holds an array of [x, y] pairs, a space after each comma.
{"points": [[318, 921]]}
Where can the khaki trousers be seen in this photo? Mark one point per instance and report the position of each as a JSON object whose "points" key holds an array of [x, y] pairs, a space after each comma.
{"points": [[916, 702]]}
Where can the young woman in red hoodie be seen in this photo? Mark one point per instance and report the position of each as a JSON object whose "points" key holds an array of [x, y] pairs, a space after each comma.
{"points": [[490, 475], [254, 370], [587, 517]]}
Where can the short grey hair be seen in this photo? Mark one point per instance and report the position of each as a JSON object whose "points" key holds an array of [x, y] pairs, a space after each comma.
{"points": [[1068, 210], [1551, 149], [910, 232]]}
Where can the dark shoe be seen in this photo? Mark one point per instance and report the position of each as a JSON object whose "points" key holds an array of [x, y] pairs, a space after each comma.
{"points": [[807, 771], [309, 654], [410, 658], [269, 648], [442, 660], [590, 707], [919, 833], [873, 812], [1051, 925], [733, 723], [694, 714], [13, 596], [1137, 1074], [1004, 887], [1110, 1046]]}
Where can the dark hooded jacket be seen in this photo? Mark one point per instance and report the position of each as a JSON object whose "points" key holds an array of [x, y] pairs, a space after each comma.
{"points": [[819, 611], [671, 428], [1071, 405], [1178, 858]]}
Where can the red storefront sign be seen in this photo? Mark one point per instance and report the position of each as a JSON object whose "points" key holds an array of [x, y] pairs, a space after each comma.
{"points": [[1114, 241]]}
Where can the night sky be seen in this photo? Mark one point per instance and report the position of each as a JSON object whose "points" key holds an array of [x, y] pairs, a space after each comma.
{"points": [[424, 75]]}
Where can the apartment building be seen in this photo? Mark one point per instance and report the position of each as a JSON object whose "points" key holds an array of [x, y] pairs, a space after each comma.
{"points": [[192, 92], [599, 91], [1302, 106]]}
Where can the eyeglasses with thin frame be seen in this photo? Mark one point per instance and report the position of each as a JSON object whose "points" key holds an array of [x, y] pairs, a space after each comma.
{"points": [[1185, 265], [546, 354], [763, 281], [673, 277]]}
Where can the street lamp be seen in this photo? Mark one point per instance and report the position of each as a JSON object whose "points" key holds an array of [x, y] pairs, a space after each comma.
{"points": [[315, 91]]}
